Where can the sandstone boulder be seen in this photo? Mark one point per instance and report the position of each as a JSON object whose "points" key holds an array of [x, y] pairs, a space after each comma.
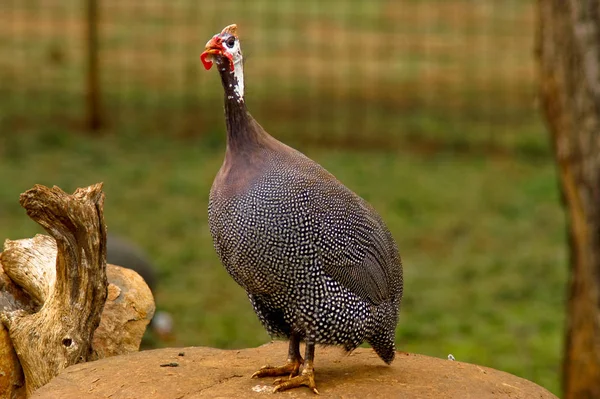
{"points": [[197, 372]]}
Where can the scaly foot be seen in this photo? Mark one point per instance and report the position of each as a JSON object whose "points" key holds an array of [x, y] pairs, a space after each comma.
{"points": [[307, 379], [291, 369]]}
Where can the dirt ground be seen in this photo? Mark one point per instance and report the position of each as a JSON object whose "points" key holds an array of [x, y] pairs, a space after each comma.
{"points": [[197, 372]]}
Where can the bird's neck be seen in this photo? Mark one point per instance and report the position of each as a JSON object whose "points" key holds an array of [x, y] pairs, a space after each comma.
{"points": [[242, 132]]}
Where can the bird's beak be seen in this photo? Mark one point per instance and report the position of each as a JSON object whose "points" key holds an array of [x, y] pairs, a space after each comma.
{"points": [[214, 47]]}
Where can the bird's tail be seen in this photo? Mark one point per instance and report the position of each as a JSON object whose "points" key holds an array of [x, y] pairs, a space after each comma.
{"points": [[383, 342], [383, 336]]}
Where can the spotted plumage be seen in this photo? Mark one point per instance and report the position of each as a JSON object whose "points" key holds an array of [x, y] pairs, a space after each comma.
{"points": [[316, 260]]}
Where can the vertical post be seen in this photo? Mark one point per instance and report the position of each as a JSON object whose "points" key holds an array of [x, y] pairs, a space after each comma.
{"points": [[93, 112], [569, 65]]}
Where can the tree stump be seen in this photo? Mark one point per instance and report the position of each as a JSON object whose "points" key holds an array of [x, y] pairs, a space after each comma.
{"points": [[53, 293]]}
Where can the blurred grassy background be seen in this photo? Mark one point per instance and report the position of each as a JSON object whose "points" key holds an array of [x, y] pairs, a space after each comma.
{"points": [[425, 108]]}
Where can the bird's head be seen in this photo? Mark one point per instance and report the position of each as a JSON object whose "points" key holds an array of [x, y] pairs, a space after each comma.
{"points": [[223, 48], [225, 51]]}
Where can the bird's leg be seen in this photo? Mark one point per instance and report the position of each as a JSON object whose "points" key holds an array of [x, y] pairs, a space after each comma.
{"points": [[291, 368], [307, 377]]}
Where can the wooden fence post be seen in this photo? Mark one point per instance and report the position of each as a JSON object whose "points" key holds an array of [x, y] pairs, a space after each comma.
{"points": [[93, 102]]}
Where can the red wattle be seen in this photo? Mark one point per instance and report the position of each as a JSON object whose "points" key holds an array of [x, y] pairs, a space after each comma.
{"points": [[207, 63]]}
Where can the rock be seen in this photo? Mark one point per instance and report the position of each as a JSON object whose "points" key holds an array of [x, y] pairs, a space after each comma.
{"points": [[12, 381], [128, 309], [215, 373]]}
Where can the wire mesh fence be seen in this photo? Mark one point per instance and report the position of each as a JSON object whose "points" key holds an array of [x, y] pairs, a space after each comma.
{"points": [[364, 73]]}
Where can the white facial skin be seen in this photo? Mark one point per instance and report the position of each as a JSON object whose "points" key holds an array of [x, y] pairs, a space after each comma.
{"points": [[232, 49]]}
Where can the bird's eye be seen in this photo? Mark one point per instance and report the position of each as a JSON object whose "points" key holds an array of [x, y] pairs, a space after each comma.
{"points": [[230, 42]]}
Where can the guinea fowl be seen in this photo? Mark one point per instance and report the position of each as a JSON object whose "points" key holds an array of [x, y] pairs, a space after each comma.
{"points": [[316, 260]]}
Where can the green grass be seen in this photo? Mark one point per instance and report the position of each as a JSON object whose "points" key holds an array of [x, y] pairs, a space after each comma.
{"points": [[482, 238]]}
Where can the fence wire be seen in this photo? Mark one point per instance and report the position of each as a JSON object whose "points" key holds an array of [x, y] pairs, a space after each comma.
{"points": [[348, 72]]}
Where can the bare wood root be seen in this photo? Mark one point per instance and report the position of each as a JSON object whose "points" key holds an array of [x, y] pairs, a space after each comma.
{"points": [[31, 264], [60, 333]]}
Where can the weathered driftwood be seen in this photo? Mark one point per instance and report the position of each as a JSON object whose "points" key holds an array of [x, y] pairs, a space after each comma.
{"points": [[129, 305], [60, 333], [31, 264], [128, 309], [53, 292]]}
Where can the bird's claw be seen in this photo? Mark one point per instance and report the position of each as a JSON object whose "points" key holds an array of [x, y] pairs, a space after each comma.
{"points": [[280, 380], [257, 374], [291, 368], [307, 378]]}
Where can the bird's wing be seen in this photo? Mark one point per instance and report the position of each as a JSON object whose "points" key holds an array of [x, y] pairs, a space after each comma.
{"points": [[357, 249]]}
